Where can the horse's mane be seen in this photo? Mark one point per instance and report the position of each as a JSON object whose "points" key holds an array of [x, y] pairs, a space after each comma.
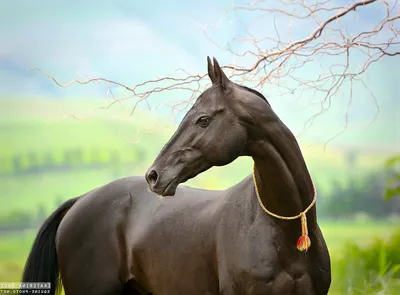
{"points": [[254, 92]]}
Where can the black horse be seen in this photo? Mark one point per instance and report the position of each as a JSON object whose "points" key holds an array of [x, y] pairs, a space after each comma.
{"points": [[122, 238]]}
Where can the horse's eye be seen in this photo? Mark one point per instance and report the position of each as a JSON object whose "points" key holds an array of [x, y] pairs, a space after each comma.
{"points": [[203, 121]]}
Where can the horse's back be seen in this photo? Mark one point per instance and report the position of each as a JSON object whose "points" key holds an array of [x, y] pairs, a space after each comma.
{"points": [[122, 231]]}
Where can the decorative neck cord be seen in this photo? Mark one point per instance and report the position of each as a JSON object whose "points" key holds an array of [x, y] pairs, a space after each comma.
{"points": [[304, 241]]}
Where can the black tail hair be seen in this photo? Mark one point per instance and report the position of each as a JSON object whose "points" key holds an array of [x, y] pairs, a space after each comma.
{"points": [[42, 265]]}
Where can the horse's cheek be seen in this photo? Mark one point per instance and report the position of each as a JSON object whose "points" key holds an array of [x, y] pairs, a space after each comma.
{"points": [[229, 150], [236, 145]]}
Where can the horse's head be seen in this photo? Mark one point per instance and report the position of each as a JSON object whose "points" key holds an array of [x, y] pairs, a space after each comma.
{"points": [[214, 132]]}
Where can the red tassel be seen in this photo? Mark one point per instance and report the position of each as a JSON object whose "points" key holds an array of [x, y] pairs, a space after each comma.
{"points": [[304, 242]]}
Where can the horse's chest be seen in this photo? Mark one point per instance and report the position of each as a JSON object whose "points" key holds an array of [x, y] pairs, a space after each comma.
{"points": [[273, 278], [276, 283], [268, 269]]}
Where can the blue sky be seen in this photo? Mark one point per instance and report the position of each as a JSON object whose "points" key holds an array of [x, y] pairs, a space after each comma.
{"points": [[123, 40], [132, 41]]}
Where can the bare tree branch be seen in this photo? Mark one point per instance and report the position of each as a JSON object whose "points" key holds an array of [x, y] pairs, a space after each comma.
{"points": [[342, 57]]}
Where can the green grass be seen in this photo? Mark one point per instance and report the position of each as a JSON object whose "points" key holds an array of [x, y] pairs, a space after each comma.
{"points": [[27, 192], [369, 269], [36, 126], [339, 233], [14, 249]]}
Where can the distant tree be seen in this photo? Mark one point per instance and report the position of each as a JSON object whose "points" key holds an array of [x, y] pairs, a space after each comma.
{"points": [[58, 201], [78, 156], [351, 162], [41, 214], [366, 197], [48, 160], [16, 220], [6, 165], [393, 181], [32, 160], [95, 156], [73, 156], [17, 163], [351, 158], [115, 157]]}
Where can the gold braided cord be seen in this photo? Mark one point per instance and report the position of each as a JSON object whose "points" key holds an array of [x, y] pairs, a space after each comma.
{"points": [[303, 213]]}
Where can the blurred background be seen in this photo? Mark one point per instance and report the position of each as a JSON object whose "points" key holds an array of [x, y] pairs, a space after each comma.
{"points": [[60, 142]]}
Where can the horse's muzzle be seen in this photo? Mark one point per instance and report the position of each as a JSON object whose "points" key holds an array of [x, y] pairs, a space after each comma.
{"points": [[159, 186]]}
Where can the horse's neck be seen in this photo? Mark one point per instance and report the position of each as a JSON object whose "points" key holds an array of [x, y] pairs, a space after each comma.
{"points": [[283, 181]]}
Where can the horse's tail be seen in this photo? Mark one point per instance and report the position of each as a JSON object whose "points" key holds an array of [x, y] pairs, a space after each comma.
{"points": [[42, 265]]}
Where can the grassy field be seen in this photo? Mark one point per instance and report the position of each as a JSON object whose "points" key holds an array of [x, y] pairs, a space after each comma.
{"points": [[36, 127], [28, 191]]}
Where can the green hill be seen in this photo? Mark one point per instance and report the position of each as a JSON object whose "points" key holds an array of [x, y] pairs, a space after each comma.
{"points": [[45, 159]]}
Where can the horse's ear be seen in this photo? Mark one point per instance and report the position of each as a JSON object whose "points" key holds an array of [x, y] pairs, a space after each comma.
{"points": [[211, 73], [220, 76]]}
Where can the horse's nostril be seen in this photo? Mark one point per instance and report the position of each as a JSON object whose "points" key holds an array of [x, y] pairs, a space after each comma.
{"points": [[152, 177]]}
